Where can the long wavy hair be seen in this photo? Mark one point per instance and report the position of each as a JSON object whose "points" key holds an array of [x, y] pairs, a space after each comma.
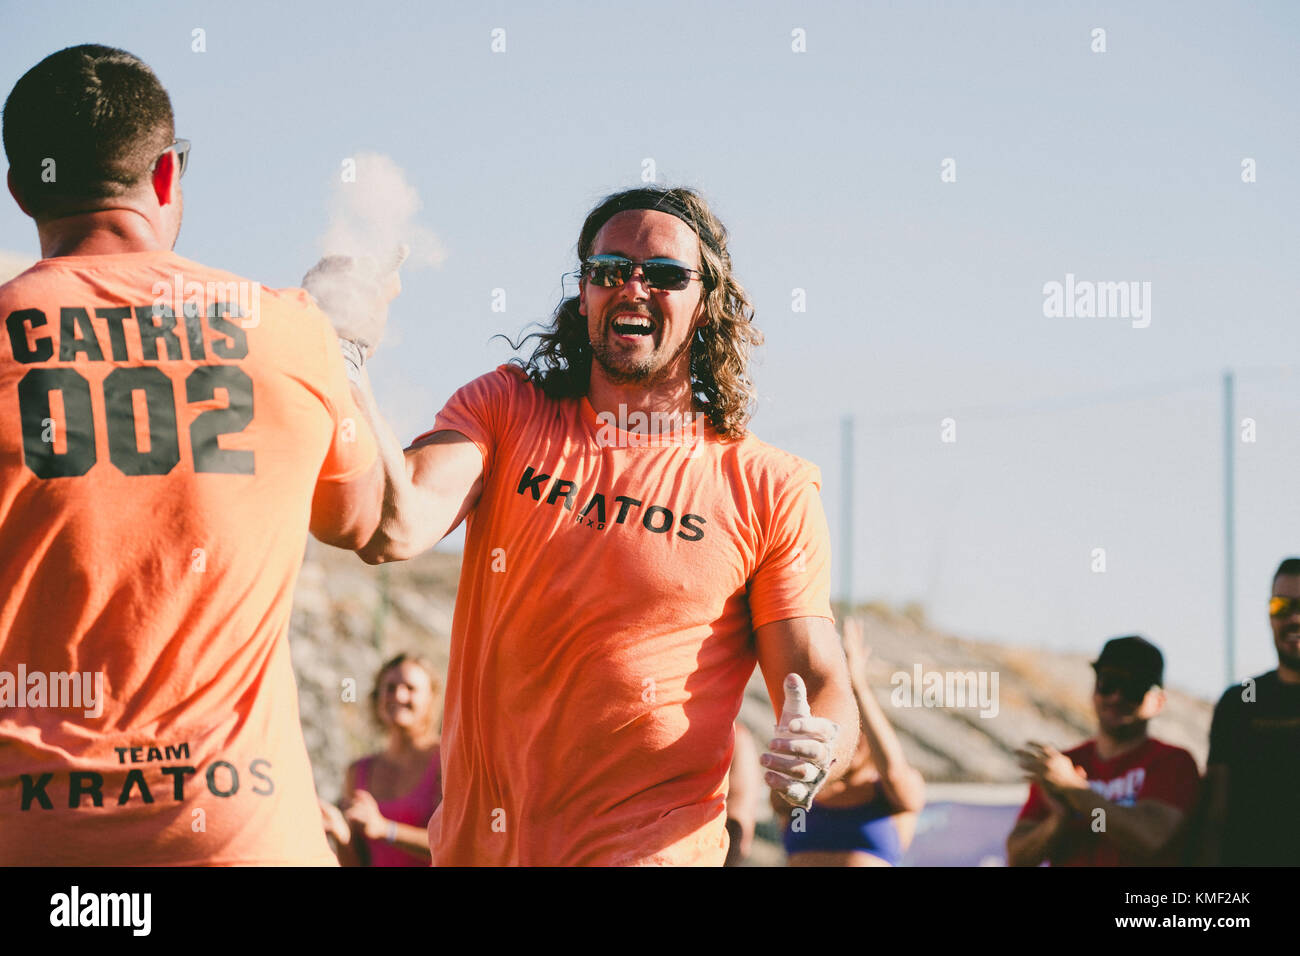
{"points": [[560, 363]]}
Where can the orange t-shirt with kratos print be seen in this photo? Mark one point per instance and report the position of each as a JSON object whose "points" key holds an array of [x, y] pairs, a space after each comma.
{"points": [[604, 628], [163, 428]]}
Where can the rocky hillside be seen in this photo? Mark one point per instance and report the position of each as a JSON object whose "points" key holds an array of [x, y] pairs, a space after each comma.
{"points": [[349, 617]]}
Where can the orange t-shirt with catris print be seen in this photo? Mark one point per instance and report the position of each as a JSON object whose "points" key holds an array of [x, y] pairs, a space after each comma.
{"points": [[163, 428], [603, 632]]}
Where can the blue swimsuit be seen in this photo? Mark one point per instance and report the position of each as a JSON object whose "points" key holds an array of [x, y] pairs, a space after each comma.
{"points": [[868, 828]]}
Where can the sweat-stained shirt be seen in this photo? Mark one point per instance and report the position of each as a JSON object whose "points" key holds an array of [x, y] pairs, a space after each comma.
{"points": [[604, 628], [163, 428]]}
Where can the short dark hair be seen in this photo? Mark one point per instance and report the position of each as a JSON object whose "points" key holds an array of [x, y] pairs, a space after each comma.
{"points": [[1288, 567], [99, 114]]}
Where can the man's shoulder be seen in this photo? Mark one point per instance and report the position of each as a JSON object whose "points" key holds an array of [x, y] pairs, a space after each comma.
{"points": [[169, 276], [1163, 752], [510, 375], [766, 466], [16, 270], [507, 381], [221, 282], [1232, 697]]}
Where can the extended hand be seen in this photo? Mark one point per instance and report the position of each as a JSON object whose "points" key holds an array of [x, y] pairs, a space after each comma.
{"points": [[363, 811], [800, 755]]}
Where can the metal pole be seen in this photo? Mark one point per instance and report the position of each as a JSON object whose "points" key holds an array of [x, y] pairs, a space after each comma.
{"points": [[381, 611], [846, 548], [1229, 531]]}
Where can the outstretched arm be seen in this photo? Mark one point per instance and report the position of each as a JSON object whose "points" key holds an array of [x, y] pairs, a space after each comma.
{"points": [[902, 783], [428, 489]]}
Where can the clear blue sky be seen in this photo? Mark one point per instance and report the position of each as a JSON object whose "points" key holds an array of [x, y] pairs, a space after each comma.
{"points": [[924, 298]]}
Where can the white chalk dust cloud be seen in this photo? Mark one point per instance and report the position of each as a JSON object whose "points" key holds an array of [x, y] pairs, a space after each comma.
{"points": [[376, 213]]}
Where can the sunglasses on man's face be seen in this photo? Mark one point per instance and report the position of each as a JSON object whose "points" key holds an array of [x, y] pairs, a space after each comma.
{"points": [[1129, 688], [662, 275], [1283, 606], [182, 149]]}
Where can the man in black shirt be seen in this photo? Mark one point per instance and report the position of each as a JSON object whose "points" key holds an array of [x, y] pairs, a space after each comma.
{"points": [[1253, 777]]}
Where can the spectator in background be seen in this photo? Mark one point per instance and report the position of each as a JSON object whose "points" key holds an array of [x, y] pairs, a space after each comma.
{"points": [[868, 817], [744, 784], [388, 797], [1119, 799], [1254, 764]]}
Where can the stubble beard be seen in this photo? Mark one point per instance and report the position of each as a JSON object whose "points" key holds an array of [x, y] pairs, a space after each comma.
{"points": [[1287, 658], [647, 373]]}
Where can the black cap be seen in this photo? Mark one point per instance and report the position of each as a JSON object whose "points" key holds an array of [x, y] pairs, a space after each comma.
{"points": [[1134, 655]]}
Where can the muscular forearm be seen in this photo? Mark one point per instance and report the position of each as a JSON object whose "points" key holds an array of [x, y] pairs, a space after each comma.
{"points": [[835, 702], [407, 516]]}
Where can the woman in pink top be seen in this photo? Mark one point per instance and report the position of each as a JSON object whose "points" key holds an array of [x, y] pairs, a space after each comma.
{"points": [[389, 797]]}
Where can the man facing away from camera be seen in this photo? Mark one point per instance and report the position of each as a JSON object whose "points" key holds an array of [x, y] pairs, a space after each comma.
{"points": [[631, 553], [169, 433], [1120, 799]]}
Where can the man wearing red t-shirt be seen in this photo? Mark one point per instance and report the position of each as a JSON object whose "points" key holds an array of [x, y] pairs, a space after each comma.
{"points": [[1119, 799]]}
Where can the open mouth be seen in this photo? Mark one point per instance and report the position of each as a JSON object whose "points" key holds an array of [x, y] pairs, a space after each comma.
{"points": [[632, 326]]}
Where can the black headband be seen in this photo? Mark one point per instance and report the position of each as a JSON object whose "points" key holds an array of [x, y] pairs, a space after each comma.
{"points": [[657, 202]]}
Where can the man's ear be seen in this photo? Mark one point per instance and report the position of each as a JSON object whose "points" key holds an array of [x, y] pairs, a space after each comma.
{"points": [[1154, 702], [701, 316], [166, 178], [582, 296], [13, 191]]}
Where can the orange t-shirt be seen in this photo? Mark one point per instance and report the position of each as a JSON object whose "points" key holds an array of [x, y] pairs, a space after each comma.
{"points": [[159, 450], [603, 632]]}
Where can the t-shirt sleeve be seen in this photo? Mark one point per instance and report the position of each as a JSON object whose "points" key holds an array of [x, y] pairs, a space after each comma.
{"points": [[479, 411], [1174, 780], [793, 577], [352, 447], [1223, 727]]}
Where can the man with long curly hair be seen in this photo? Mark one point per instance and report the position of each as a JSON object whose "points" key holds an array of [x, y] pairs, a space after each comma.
{"points": [[632, 551]]}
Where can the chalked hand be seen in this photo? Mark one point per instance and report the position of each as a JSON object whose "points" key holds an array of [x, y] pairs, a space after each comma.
{"points": [[800, 754], [355, 292]]}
